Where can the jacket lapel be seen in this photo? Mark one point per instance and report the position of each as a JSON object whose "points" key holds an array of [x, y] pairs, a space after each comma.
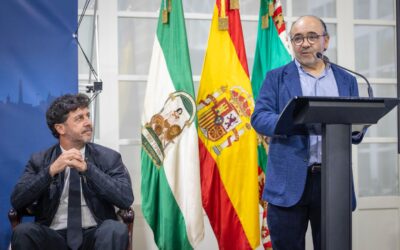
{"points": [[341, 82], [291, 80], [90, 154]]}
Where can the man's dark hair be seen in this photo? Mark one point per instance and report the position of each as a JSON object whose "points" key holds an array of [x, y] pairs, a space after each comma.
{"points": [[60, 108]]}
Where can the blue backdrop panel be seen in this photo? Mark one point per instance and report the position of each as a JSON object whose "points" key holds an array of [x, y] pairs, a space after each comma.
{"points": [[38, 61]]}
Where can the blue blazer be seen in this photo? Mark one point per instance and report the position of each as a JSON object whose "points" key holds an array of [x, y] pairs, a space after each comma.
{"points": [[288, 156]]}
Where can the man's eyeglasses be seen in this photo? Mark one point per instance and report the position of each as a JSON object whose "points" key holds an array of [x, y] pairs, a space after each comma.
{"points": [[311, 38]]}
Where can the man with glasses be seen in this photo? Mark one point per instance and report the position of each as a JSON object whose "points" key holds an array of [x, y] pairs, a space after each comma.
{"points": [[293, 179]]}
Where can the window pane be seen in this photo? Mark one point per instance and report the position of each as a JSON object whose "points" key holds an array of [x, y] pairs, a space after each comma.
{"points": [[284, 7], [250, 39], [322, 8], [331, 53], [379, 42], [86, 39], [386, 126], [135, 40], [204, 7], [197, 35], [378, 172], [374, 9], [138, 5], [249, 7], [380, 90], [131, 96], [131, 158], [196, 85]]}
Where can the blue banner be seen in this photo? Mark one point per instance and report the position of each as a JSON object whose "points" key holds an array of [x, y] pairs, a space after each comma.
{"points": [[38, 62]]}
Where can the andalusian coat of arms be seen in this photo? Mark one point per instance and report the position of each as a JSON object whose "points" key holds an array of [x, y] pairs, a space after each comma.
{"points": [[166, 126]]}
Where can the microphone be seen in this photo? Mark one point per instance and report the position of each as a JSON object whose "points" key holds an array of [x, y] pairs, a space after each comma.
{"points": [[326, 60]]}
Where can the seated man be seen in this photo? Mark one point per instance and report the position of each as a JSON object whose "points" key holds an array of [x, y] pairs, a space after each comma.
{"points": [[75, 185]]}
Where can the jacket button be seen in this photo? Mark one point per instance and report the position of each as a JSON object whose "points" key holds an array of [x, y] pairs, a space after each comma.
{"points": [[305, 160]]}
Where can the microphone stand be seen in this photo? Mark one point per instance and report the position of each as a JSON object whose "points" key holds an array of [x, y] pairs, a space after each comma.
{"points": [[357, 136], [97, 86], [95, 89], [326, 60]]}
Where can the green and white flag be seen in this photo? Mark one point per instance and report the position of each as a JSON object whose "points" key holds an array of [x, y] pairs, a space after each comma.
{"points": [[171, 194]]}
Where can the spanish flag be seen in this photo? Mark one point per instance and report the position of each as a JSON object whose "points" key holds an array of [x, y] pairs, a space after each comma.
{"points": [[228, 144]]}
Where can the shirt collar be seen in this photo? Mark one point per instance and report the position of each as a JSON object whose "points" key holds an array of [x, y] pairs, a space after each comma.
{"points": [[82, 150], [302, 71]]}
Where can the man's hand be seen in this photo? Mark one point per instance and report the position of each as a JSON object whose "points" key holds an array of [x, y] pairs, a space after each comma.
{"points": [[70, 158]]}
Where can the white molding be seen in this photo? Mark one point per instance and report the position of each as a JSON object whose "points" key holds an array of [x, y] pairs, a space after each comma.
{"points": [[108, 65], [129, 142], [374, 22], [379, 140]]}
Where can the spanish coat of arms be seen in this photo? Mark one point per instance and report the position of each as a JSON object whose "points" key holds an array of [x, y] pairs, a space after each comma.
{"points": [[224, 116]]}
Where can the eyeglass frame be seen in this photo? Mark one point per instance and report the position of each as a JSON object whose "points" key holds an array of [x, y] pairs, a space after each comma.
{"points": [[307, 36]]}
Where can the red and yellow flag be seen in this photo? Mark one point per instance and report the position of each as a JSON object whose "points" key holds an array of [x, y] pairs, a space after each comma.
{"points": [[228, 144]]}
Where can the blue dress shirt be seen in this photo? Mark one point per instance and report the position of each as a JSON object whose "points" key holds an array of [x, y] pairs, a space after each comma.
{"points": [[323, 85]]}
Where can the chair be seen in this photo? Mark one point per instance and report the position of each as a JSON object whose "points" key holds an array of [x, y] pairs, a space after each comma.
{"points": [[126, 215]]}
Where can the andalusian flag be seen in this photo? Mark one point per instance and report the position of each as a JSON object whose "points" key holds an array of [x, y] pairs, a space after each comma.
{"points": [[228, 145], [272, 51], [171, 198]]}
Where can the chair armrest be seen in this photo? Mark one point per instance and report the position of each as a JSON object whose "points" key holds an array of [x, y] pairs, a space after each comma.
{"points": [[127, 215], [14, 217]]}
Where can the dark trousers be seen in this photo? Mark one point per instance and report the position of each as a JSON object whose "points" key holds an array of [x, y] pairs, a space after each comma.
{"points": [[288, 225], [110, 235]]}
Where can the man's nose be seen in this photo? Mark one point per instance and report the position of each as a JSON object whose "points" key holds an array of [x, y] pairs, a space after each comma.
{"points": [[306, 43], [88, 121]]}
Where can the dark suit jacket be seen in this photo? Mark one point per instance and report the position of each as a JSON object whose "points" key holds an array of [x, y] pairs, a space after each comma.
{"points": [[105, 184], [288, 157]]}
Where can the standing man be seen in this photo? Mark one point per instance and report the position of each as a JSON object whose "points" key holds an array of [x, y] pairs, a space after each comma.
{"points": [[293, 179], [72, 187]]}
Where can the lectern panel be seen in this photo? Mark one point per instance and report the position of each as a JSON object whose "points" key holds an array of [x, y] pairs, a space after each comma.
{"points": [[304, 110]]}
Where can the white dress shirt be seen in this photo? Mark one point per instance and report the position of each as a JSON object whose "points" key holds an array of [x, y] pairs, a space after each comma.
{"points": [[61, 217]]}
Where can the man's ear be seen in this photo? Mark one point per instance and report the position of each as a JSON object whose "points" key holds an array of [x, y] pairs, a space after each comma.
{"points": [[60, 128]]}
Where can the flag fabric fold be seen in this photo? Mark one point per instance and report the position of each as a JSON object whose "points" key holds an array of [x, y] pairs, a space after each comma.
{"points": [[170, 188], [272, 51], [228, 146]]}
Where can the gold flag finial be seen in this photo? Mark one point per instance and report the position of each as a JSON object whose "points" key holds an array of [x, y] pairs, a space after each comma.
{"points": [[268, 12], [271, 8], [234, 5], [165, 12], [265, 21], [223, 21]]}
